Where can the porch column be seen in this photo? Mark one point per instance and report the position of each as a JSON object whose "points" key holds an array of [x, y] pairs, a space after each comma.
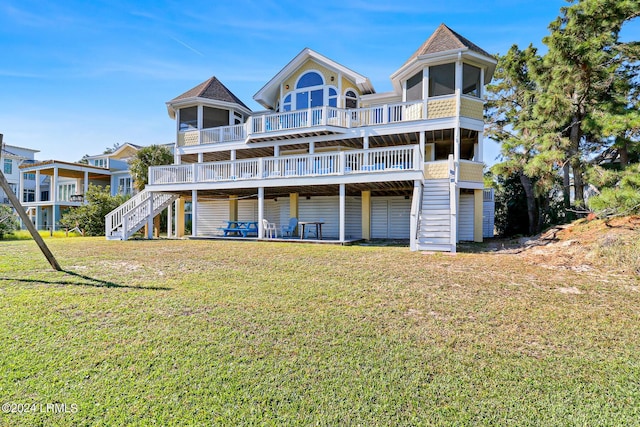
{"points": [[365, 141], [37, 218], [21, 190], [232, 157], [478, 201], [55, 214], [200, 111], [177, 159], [200, 157], [343, 205], [86, 184], [422, 147], [293, 208], [194, 213], [366, 214], [38, 197], [260, 212], [180, 217], [53, 193], [150, 218], [233, 208], [169, 220]]}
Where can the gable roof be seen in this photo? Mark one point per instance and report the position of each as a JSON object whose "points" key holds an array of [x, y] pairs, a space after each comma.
{"points": [[445, 39], [211, 89], [269, 92]]}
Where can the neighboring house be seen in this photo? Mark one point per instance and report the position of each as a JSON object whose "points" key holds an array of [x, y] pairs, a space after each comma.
{"points": [[405, 164], [59, 186], [12, 158]]}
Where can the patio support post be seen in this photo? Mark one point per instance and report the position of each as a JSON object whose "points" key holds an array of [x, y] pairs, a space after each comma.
{"points": [[293, 208], [260, 212], [86, 185], [366, 214], [478, 201], [169, 220], [21, 188], [150, 218], [233, 208], [38, 195], [342, 211], [180, 217], [53, 193], [194, 213]]}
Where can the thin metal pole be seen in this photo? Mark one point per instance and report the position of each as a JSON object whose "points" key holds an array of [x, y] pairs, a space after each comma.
{"points": [[25, 218]]}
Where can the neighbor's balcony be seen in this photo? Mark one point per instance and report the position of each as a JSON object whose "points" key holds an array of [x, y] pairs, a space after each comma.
{"points": [[382, 160], [287, 123]]}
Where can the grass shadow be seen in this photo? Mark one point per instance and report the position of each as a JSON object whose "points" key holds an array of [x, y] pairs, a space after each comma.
{"points": [[90, 281]]}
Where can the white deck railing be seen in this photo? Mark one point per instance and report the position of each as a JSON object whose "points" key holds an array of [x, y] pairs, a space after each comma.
{"points": [[261, 124], [378, 160]]}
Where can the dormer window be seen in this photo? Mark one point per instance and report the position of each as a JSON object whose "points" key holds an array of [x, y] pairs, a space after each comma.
{"points": [[101, 163]]}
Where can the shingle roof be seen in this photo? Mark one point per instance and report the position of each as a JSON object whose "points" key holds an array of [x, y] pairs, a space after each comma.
{"points": [[211, 89], [444, 39]]}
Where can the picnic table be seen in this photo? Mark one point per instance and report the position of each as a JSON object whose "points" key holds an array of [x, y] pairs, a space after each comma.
{"points": [[240, 228]]}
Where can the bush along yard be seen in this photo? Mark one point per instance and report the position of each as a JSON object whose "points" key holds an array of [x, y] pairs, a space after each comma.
{"points": [[242, 333]]}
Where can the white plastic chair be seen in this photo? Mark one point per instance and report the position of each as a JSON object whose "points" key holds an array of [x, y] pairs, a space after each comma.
{"points": [[270, 230]]}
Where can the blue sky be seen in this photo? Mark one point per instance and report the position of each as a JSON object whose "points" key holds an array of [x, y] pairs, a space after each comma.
{"points": [[79, 76]]}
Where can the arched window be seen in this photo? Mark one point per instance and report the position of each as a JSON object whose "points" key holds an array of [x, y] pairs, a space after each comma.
{"points": [[310, 91], [310, 79], [350, 99]]}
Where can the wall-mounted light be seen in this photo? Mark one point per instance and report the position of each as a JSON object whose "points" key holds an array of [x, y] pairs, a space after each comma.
{"points": [[286, 86], [332, 78], [308, 197], [275, 199]]}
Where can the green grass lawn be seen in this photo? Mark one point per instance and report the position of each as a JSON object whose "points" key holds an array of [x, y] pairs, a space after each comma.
{"points": [[254, 333]]}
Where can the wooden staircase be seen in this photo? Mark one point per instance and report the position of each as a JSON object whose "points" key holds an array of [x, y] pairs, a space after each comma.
{"points": [[131, 216], [434, 220]]}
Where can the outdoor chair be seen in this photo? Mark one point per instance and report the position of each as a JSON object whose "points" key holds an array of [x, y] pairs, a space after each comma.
{"points": [[270, 230], [290, 228]]}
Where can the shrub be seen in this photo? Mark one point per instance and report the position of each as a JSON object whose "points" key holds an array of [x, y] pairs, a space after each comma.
{"points": [[8, 221], [90, 217]]}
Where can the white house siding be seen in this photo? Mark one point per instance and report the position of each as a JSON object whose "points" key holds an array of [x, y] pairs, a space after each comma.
{"points": [[465, 217], [390, 217], [212, 214], [327, 209]]}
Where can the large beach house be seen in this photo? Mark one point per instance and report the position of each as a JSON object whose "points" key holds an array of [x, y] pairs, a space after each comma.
{"points": [[405, 164]]}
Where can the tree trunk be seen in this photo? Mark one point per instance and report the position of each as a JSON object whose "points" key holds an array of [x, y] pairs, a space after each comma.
{"points": [[575, 136], [566, 186], [527, 184], [623, 150]]}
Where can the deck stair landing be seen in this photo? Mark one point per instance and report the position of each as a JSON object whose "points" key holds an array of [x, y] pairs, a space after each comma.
{"points": [[131, 216], [434, 222]]}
